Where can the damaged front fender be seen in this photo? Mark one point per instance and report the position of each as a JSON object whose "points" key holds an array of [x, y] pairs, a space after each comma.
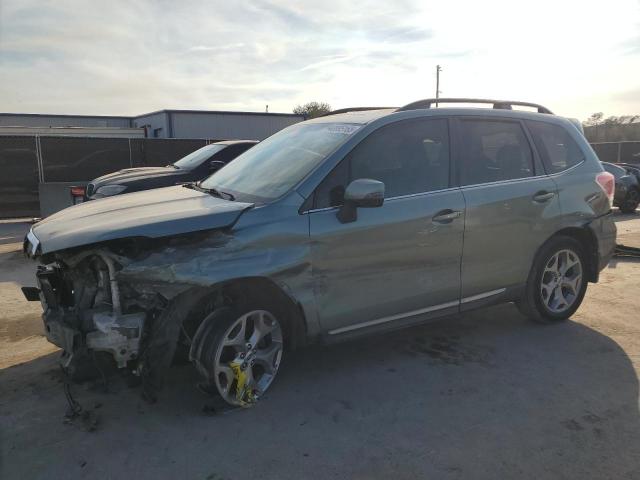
{"points": [[213, 258], [130, 297]]}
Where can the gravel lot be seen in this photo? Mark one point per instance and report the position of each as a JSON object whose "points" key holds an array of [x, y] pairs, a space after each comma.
{"points": [[480, 395]]}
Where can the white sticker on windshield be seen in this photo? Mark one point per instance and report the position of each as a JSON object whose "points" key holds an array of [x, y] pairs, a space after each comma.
{"points": [[344, 128]]}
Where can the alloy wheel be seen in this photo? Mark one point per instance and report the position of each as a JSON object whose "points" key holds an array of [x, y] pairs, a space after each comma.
{"points": [[561, 281], [248, 357]]}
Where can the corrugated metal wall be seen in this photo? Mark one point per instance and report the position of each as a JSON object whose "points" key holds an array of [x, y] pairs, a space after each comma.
{"points": [[171, 123], [36, 120], [154, 121], [241, 126]]}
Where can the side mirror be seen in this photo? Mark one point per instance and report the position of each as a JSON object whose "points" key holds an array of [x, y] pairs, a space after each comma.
{"points": [[215, 165], [364, 193]]}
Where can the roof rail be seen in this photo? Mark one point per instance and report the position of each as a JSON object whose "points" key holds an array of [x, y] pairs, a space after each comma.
{"points": [[497, 104], [354, 109]]}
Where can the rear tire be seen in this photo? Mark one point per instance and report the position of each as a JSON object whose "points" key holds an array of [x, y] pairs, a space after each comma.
{"points": [[557, 282]]}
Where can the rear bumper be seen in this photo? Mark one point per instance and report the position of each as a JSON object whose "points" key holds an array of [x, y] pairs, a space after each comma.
{"points": [[604, 230]]}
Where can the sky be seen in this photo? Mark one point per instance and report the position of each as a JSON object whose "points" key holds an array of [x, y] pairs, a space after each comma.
{"points": [[131, 57]]}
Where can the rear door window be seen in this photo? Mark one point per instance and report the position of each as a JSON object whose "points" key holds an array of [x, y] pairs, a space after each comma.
{"points": [[557, 149], [493, 151], [408, 157]]}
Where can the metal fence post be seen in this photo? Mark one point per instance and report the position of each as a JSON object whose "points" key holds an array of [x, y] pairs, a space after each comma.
{"points": [[619, 151], [39, 158]]}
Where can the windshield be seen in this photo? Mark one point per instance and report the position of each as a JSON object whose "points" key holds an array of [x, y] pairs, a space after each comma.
{"points": [[274, 166], [195, 159]]}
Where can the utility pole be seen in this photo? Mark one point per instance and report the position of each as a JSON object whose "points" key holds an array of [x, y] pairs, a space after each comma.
{"points": [[438, 70]]}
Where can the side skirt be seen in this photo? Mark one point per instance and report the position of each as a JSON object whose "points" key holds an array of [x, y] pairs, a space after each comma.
{"points": [[422, 316]]}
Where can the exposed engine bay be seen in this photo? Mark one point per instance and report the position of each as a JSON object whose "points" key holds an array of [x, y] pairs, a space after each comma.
{"points": [[85, 310]]}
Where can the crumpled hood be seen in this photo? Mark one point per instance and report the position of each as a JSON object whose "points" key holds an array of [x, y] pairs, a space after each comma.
{"points": [[154, 213]]}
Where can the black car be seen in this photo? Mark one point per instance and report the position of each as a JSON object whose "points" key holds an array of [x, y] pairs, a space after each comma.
{"points": [[195, 166], [627, 194], [632, 169]]}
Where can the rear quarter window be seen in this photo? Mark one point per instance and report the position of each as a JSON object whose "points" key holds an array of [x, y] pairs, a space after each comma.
{"points": [[557, 149]]}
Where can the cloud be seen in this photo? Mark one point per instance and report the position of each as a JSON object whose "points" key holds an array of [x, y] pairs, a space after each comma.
{"points": [[328, 61], [285, 15], [632, 45], [215, 48], [124, 57], [631, 95], [401, 34]]}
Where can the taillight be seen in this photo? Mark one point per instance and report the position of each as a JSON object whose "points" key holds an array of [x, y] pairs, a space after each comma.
{"points": [[607, 183], [77, 191], [77, 194]]}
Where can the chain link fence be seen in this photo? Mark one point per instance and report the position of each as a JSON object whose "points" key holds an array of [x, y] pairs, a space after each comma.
{"points": [[618, 152], [27, 161], [19, 177]]}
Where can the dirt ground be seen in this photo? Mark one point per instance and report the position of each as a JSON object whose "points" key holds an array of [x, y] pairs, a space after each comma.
{"points": [[481, 395]]}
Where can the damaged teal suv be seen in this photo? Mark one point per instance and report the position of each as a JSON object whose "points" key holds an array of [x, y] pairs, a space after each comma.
{"points": [[360, 221]]}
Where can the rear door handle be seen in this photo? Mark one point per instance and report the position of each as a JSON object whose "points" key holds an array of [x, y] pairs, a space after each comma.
{"points": [[446, 216], [543, 196]]}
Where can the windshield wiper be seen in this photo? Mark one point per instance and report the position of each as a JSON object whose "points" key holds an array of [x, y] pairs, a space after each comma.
{"points": [[210, 191], [219, 193]]}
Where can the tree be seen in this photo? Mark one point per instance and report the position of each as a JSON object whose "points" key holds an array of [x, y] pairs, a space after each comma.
{"points": [[622, 120], [594, 119], [312, 109], [598, 119]]}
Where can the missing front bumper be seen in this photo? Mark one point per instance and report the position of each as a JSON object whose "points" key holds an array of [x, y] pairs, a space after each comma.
{"points": [[77, 329]]}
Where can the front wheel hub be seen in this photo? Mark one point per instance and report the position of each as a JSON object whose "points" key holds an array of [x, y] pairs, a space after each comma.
{"points": [[248, 357]]}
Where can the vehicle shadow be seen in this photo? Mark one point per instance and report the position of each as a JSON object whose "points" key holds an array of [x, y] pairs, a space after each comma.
{"points": [[481, 395]]}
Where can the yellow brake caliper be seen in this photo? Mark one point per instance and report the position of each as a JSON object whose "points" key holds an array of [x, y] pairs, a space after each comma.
{"points": [[244, 394]]}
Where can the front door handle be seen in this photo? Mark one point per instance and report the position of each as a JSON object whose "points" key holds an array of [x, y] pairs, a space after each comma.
{"points": [[446, 216], [543, 196]]}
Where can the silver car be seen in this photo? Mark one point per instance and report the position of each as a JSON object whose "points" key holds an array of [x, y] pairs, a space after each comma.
{"points": [[357, 222]]}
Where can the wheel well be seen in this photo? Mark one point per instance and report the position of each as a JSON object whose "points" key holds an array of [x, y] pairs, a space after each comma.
{"points": [[589, 242], [262, 290]]}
